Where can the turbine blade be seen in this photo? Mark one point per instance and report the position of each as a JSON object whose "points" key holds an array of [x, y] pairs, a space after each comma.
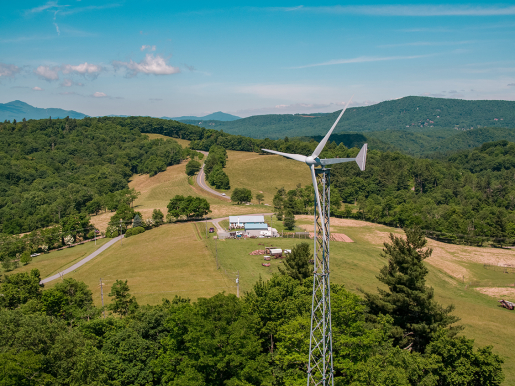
{"points": [[317, 197], [322, 143], [296, 157], [361, 159], [331, 161]]}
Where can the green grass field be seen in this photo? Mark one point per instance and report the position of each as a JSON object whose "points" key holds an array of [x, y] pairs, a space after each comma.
{"points": [[53, 262], [264, 173], [159, 263]]}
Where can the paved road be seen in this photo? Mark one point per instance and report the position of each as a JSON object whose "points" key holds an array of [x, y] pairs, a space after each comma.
{"points": [[201, 181], [81, 262]]}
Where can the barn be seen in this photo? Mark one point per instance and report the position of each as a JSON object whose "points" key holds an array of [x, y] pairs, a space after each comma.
{"points": [[238, 222]]}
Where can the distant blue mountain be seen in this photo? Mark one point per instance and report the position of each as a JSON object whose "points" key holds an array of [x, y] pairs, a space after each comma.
{"points": [[218, 116], [19, 110]]}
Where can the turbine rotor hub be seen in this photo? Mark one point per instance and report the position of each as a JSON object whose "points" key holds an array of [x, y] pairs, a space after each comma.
{"points": [[310, 161]]}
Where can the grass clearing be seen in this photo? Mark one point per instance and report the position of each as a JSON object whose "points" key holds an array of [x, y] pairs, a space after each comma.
{"points": [[264, 173], [53, 262], [182, 142], [159, 263]]}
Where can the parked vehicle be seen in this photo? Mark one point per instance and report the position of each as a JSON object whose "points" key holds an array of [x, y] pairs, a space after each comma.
{"points": [[211, 230]]}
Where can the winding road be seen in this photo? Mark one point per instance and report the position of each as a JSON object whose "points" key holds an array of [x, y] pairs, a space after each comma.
{"points": [[82, 262], [201, 180]]}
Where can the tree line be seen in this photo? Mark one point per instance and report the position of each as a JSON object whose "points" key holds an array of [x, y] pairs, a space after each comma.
{"points": [[399, 335]]}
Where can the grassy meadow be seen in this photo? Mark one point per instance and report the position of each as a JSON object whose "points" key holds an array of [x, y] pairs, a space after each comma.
{"points": [[55, 261], [160, 263], [264, 173]]}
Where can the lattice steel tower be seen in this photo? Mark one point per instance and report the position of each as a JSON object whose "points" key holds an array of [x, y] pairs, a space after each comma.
{"points": [[320, 365]]}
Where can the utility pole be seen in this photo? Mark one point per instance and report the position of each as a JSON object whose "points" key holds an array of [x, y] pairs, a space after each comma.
{"points": [[102, 296], [238, 284], [216, 256]]}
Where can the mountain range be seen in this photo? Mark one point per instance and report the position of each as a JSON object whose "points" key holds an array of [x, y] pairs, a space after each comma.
{"points": [[218, 116], [19, 110]]}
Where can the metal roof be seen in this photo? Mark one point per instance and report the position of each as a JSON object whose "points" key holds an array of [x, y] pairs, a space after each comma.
{"points": [[253, 226], [245, 219]]}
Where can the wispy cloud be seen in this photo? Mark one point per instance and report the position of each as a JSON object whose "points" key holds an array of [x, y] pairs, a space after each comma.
{"points": [[417, 44], [52, 73], [156, 65], [99, 95], [363, 59], [511, 85], [37, 88], [8, 70], [149, 48], [281, 91], [71, 11], [44, 7], [409, 10], [83, 69], [69, 83]]}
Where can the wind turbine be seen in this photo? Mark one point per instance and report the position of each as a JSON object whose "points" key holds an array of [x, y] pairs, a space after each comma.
{"points": [[320, 366]]}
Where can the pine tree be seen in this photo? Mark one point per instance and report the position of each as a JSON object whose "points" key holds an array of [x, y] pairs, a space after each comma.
{"points": [[298, 264], [417, 316]]}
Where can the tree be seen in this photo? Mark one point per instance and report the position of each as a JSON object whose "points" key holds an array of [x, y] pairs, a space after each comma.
{"points": [[417, 316], [122, 303], [25, 258], [136, 222], [158, 217], [192, 167], [240, 195], [69, 240], [260, 197], [219, 179], [124, 213], [19, 288], [289, 220], [298, 264], [190, 207]]}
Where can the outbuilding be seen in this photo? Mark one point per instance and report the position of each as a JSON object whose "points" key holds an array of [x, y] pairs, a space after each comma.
{"points": [[241, 221]]}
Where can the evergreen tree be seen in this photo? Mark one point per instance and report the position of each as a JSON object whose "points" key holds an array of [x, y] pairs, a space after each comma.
{"points": [[416, 315], [289, 220], [298, 264], [136, 222]]}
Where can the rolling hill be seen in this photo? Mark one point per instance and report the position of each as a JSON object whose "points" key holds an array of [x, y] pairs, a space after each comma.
{"points": [[413, 114], [218, 116]]}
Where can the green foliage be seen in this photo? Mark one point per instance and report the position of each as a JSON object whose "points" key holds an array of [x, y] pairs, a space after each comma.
{"points": [[189, 207], [134, 231], [218, 178], [19, 288], [122, 302], [289, 220], [241, 195], [124, 216], [157, 217], [23, 369], [137, 222], [25, 258], [70, 300], [408, 301], [260, 197], [192, 167], [50, 169], [298, 264]]}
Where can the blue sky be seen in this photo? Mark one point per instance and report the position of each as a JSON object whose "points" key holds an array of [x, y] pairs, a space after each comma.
{"points": [[164, 58]]}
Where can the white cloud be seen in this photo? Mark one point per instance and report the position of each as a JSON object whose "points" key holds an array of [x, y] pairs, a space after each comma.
{"points": [[150, 65], [84, 68], [410, 10], [363, 59], [8, 70], [47, 73], [57, 29], [99, 95], [150, 48], [37, 88]]}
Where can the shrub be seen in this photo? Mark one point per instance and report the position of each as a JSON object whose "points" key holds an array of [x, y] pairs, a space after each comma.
{"points": [[112, 231], [134, 231]]}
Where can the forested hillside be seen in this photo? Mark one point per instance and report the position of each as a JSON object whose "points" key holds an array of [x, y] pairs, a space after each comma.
{"points": [[51, 169], [417, 114]]}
